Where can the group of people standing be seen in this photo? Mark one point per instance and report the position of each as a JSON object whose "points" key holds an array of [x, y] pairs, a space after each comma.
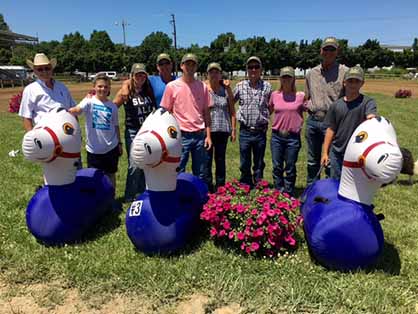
{"points": [[206, 115]]}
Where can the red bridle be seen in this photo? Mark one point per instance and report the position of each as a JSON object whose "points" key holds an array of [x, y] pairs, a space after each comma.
{"points": [[58, 150], [362, 159], [164, 154]]}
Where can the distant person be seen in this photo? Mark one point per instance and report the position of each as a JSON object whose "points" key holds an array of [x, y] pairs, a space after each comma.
{"points": [[343, 117], [223, 124], [138, 100], [44, 94], [288, 107], [253, 115], [165, 75], [188, 99], [102, 129], [323, 86]]}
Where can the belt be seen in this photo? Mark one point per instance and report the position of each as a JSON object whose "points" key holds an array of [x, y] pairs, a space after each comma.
{"points": [[318, 114], [285, 133], [254, 128], [193, 132]]}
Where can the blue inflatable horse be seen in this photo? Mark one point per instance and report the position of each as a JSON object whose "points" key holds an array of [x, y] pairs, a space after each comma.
{"points": [[71, 201], [341, 229], [162, 219]]}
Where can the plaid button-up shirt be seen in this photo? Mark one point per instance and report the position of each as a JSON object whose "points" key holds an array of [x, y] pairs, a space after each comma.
{"points": [[253, 103]]}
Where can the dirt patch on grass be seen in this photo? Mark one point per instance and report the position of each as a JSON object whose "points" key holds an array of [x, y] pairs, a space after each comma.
{"points": [[58, 299], [389, 88]]}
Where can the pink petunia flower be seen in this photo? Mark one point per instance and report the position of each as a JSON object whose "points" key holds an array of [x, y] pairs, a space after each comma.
{"points": [[226, 225], [240, 236], [213, 232], [255, 246]]}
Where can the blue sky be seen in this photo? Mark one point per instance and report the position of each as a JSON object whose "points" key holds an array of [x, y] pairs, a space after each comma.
{"points": [[390, 22]]}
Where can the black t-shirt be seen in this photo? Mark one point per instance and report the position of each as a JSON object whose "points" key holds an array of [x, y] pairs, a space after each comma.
{"points": [[137, 108], [345, 116]]}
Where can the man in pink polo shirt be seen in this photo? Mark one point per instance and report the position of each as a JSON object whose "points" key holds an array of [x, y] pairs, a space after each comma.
{"points": [[188, 99]]}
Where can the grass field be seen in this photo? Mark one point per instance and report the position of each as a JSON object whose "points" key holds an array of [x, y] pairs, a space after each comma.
{"points": [[106, 275]]}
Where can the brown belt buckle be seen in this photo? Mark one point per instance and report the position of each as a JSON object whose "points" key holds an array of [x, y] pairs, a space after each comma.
{"points": [[284, 133], [320, 115]]}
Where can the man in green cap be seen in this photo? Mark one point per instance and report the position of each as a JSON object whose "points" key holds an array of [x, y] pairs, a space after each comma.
{"points": [[343, 117], [323, 86], [165, 75], [188, 99]]}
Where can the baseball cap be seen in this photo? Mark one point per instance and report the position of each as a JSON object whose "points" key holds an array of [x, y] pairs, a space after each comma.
{"points": [[254, 58], [330, 42], [214, 65], [138, 68], [356, 72], [287, 71], [189, 57], [163, 56]]}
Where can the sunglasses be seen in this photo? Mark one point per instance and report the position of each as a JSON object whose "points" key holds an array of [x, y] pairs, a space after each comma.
{"points": [[164, 63], [43, 69], [329, 49], [253, 67]]}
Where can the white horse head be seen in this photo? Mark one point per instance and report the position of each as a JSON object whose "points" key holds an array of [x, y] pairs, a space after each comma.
{"points": [[157, 150], [371, 159], [55, 142]]}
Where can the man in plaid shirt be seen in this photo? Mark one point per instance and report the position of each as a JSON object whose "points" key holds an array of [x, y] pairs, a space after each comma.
{"points": [[253, 114]]}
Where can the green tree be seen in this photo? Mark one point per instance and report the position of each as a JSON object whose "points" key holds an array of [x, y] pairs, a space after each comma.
{"points": [[309, 54], [3, 24], [100, 40], [152, 45], [5, 56]]}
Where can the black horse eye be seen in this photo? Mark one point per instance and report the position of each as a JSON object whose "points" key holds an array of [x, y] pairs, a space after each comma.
{"points": [[37, 143], [148, 148]]}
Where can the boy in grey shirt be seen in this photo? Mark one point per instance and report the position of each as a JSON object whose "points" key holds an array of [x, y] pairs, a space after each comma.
{"points": [[343, 117]]}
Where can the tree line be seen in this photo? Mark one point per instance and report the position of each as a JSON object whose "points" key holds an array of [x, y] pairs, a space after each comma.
{"points": [[99, 53]]}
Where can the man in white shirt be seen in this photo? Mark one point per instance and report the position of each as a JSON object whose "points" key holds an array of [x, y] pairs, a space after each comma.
{"points": [[44, 94]]}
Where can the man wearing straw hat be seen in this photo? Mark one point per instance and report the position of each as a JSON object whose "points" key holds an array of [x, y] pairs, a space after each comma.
{"points": [[44, 94]]}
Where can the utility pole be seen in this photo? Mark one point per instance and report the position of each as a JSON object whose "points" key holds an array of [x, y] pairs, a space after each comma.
{"points": [[124, 26], [173, 22]]}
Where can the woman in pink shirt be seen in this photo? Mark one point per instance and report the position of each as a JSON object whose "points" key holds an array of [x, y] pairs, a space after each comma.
{"points": [[288, 106]]}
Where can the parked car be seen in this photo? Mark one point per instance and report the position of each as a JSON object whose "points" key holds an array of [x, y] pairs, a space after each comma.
{"points": [[111, 74]]}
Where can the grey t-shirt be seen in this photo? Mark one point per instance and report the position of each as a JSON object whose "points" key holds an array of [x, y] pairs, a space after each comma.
{"points": [[344, 117]]}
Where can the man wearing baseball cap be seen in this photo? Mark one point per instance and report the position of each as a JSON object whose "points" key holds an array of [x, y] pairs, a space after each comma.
{"points": [[188, 99], [343, 117], [253, 115], [165, 75], [44, 94], [323, 86]]}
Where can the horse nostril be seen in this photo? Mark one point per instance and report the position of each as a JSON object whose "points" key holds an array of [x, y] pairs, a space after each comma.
{"points": [[37, 143], [382, 158]]}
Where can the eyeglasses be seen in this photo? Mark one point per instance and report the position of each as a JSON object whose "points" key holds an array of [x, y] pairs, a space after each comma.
{"points": [[43, 69], [164, 63], [329, 49], [253, 67]]}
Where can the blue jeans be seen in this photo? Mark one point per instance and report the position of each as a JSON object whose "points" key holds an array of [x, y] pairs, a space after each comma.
{"points": [[135, 179], [194, 144], [315, 133], [219, 143], [336, 161], [285, 150], [251, 142]]}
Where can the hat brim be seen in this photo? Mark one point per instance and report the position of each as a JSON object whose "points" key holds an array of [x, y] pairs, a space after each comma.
{"points": [[52, 63], [330, 45], [353, 77]]}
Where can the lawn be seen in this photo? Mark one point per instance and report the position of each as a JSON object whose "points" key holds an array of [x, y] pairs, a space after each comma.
{"points": [[106, 264]]}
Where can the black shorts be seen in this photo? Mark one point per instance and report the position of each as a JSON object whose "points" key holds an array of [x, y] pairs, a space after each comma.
{"points": [[107, 162]]}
